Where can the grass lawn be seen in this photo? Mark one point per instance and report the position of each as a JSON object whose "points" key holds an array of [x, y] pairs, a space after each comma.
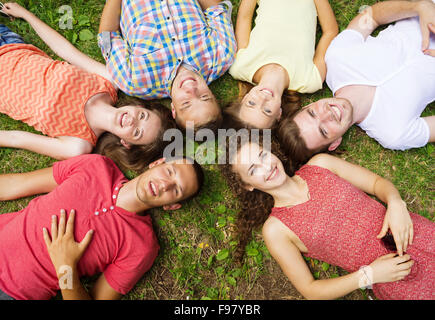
{"points": [[197, 242]]}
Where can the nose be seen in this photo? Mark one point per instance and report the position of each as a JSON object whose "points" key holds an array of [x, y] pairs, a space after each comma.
{"points": [[167, 185]]}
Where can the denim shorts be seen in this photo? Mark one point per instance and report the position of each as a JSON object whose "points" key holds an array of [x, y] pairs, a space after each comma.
{"points": [[4, 296], [7, 36]]}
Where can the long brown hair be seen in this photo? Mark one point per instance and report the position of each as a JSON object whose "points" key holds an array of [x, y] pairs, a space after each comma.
{"points": [[290, 103], [254, 206], [137, 157]]}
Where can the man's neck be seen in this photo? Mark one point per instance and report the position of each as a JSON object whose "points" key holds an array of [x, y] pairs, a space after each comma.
{"points": [[361, 97], [128, 200]]}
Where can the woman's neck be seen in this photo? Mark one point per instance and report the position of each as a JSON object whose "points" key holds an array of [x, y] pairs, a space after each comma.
{"points": [[272, 76], [292, 192], [100, 114]]}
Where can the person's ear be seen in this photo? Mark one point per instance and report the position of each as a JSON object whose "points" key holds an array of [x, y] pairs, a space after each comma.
{"points": [[335, 144], [125, 144], [174, 206], [280, 114], [157, 162], [174, 113]]}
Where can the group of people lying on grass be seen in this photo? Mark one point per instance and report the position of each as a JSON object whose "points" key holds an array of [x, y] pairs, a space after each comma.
{"points": [[308, 204]]}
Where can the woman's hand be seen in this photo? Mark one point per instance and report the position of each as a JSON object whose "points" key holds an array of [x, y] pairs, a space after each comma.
{"points": [[14, 10], [398, 220], [390, 267], [62, 247]]}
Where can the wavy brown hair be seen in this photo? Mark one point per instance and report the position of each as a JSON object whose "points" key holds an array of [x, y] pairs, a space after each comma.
{"points": [[254, 206], [290, 103], [137, 157]]}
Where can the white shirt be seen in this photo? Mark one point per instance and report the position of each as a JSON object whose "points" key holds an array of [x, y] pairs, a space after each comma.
{"points": [[403, 76]]}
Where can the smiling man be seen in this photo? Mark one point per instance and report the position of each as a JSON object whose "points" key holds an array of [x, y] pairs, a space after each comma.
{"points": [[381, 83], [123, 245], [165, 48]]}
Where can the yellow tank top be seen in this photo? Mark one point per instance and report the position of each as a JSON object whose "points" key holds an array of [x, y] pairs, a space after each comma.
{"points": [[285, 34]]}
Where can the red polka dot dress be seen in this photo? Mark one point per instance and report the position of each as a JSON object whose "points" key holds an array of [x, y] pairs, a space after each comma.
{"points": [[339, 225]]}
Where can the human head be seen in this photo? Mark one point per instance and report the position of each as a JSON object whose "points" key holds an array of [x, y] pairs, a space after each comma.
{"points": [[255, 205], [251, 109], [168, 183], [193, 101], [301, 135], [324, 122], [133, 156]]}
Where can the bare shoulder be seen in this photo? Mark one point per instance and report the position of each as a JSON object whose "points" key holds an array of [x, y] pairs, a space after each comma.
{"points": [[274, 229], [323, 160]]}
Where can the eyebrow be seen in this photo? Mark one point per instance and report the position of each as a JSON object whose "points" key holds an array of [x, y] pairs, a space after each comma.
{"points": [[179, 185], [252, 165], [320, 130]]}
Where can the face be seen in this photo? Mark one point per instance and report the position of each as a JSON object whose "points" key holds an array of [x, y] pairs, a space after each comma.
{"points": [[136, 125], [258, 168], [192, 100], [167, 183], [324, 122], [261, 107]]}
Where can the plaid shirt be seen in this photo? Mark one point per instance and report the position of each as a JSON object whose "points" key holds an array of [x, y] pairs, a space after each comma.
{"points": [[157, 36]]}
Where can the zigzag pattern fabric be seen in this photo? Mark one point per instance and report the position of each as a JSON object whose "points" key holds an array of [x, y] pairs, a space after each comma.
{"points": [[47, 94]]}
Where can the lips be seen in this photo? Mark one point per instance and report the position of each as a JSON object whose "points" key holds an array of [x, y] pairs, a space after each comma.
{"points": [[187, 80], [337, 111], [123, 119], [153, 189], [267, 91], [272, 174]]}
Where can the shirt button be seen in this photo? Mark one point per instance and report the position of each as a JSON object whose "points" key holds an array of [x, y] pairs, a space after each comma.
{"points": [[116, 188], [114, 196], [173, 39], [104, 209], [169, 18], [179, 60], [97, 213], [112, 207]]}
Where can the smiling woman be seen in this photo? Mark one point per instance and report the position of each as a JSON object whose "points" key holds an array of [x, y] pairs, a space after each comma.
{"points": [[75, 102], [136, 156]]}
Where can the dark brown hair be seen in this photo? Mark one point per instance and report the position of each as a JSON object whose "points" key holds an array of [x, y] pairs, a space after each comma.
{"points": [[137, 157], [213, 124], [293, 144], [254, 206], [290, 103]]}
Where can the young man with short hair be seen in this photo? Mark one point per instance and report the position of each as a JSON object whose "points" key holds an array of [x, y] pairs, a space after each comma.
{"points": [[122, 245], [165, 48], [381, 83]]}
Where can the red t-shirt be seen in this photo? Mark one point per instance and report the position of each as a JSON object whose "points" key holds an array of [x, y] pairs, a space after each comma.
{"points": [[123, 247]]}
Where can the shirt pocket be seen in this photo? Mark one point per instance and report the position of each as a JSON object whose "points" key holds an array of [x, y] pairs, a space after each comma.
{"points": [[144, 39]]}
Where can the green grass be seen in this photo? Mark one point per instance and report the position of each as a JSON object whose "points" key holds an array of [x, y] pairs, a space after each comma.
{"points": [[197, 242]]}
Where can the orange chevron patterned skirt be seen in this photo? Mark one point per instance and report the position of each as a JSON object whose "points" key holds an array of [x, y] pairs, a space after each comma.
{"points": [[47, 94]]}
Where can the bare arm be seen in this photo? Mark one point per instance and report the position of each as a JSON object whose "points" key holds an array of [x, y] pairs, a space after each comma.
{"points": [[60, 148], [61, 46], [397, 216], [430, 120], [288, 256], [329, 31], [244, 22], [111, 16], [389, 11], [205, 4], [19, 185]]}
